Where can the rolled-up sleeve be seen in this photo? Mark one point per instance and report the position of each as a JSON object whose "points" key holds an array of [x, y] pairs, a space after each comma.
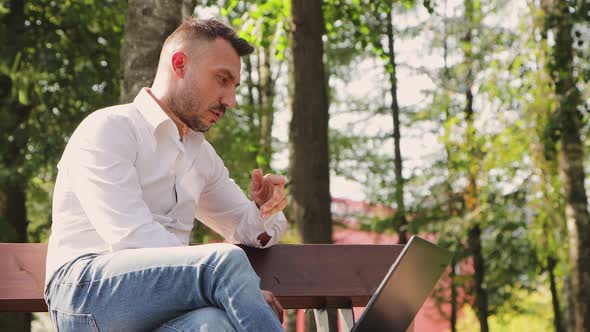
{"points": [[100, 164], [225, 209]]}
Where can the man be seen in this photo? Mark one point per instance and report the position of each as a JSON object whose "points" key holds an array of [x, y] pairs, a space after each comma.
{"points": [[131, 181]]}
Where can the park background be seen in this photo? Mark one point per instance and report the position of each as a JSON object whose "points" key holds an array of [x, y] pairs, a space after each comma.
{"points": [[465, 121]]}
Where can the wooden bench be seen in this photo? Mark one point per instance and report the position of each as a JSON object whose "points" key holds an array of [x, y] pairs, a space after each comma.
{"points": [[300, 276]]}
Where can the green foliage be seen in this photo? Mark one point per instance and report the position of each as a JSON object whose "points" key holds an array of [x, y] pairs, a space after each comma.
{"points": [[536, 315], [238, 139], [502, 155], [38, 209], [60, 64], [7, 231], [264, 24]]}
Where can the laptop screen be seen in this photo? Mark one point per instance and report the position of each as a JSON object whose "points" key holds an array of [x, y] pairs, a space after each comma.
{"points": [[405, 288]]}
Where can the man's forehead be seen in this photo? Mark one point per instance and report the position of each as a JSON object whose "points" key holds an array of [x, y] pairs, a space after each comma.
{"points": [[221, 56]]}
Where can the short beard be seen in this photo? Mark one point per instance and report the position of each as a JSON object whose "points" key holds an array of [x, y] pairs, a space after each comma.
{"points": [[183, 106]]}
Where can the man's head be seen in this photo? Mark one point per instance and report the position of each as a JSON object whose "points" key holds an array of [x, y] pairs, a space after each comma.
{"points": [[199, 70]]}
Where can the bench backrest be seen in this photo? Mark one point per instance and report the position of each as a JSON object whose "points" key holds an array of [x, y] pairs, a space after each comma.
{"points": [[300, 276]]}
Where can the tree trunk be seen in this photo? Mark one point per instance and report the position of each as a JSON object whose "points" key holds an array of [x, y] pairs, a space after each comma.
{"points": [[454, 299], [572, 161], [249, 84], [251, 110], [309, 167], [471, 199], [188, 9], [148, 24], [449, 187], [481, 296], [570, 317], [474, 232], [266, 93], [400, 214], [557, 320], [577, 218], [16, 210], [309, 126]]}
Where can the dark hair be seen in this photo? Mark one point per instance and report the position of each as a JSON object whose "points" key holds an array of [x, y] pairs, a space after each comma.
{"points": [[210, 29]]}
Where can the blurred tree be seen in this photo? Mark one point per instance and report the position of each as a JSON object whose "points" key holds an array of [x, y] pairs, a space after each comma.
{"points": [[566, 123], [148, 24], [309, 126], [265, 26], [371, 25], [479, 154], [309, 162], [48, 80], [548, 231], [472, 199], [400, 219]]}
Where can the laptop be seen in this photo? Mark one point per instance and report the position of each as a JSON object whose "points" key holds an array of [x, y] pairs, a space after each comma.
{"points": [[405, 288]]}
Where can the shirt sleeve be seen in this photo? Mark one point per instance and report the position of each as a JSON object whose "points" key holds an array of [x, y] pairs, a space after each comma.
{"points": [[100, 163], [224, 208]]}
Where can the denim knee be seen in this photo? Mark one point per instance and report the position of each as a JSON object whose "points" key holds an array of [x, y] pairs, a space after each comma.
{"points": [[233, 261], [229, 254]]}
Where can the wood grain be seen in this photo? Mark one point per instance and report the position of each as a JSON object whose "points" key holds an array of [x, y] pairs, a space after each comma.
{"points": [[300, 276]]}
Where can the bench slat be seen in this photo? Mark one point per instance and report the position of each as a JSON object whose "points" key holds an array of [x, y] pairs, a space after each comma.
{"points": [[300, 276], [317, 276], [22, 276]]}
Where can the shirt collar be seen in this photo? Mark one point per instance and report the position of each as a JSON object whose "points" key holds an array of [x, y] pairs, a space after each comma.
{"points": [[154, 114], [150, 110]]}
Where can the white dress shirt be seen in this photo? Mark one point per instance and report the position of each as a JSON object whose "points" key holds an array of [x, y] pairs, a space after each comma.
{"points": [[126, 180]]}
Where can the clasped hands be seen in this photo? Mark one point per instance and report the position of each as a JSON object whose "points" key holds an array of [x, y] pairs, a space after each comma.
{"points": [[268, 192]]}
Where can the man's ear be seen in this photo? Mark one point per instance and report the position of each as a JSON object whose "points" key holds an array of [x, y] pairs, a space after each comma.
{"points": [[179, 63]]}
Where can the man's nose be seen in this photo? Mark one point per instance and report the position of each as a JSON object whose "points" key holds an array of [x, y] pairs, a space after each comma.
{"points": [[229, 100]]}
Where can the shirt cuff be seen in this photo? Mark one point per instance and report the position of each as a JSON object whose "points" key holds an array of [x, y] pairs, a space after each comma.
{"points": [[267, 224], [257, 225]]}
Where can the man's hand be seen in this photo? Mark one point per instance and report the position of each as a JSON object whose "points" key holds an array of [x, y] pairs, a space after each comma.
{"points": [[268, 192], [274, 304]]}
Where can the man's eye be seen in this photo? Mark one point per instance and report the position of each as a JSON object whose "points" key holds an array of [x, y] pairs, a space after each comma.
{"points": [[222, 79]]}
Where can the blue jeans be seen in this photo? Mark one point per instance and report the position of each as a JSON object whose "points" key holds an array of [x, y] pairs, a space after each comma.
{"points": [[197, 288]]}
